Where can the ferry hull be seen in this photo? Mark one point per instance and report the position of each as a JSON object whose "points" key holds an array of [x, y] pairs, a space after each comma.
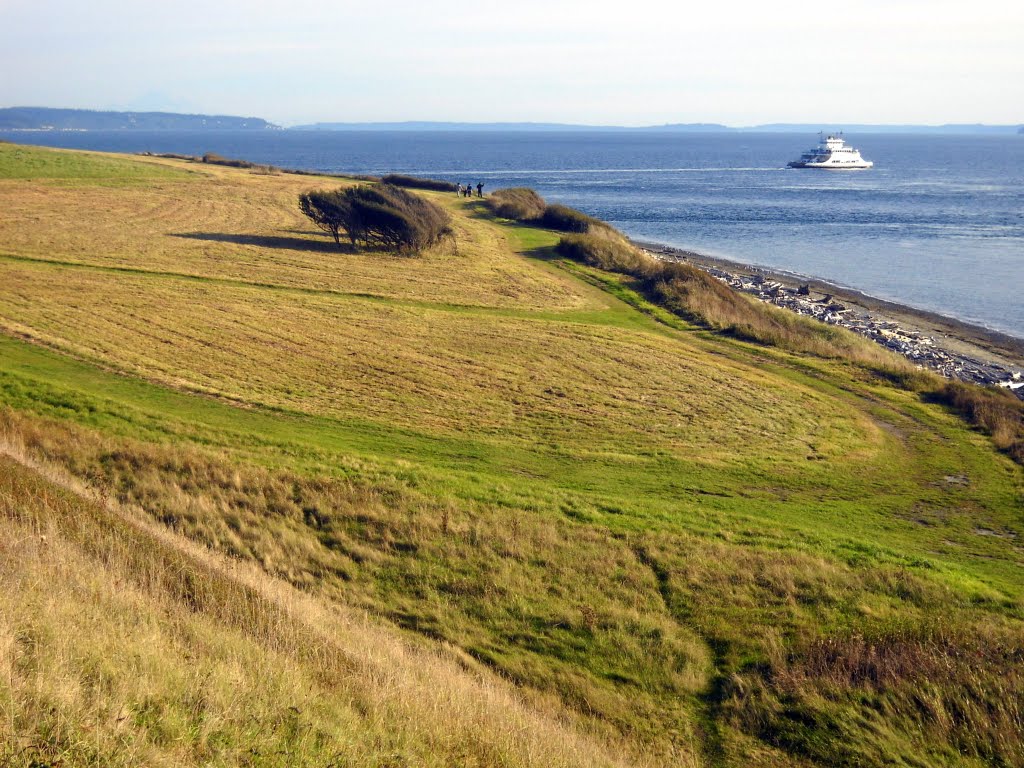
{"points": [[832, 166]]}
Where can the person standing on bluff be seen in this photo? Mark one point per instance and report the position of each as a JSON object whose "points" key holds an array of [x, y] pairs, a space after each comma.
{"points": [[480, 189]]}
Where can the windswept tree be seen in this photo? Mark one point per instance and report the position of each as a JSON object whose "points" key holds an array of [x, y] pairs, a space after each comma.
{"points": [[378, 216], [330, 211]]}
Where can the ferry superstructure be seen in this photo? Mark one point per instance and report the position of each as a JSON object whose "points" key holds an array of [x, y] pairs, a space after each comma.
{"points": [[832, 154]]}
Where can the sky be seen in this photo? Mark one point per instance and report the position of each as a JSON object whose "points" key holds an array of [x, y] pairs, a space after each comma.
{"points": [[595, 62]]}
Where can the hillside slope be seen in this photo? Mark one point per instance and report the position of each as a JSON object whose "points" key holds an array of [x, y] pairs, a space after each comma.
{"points": [[49, 118], [123, 645], [695, 550]]}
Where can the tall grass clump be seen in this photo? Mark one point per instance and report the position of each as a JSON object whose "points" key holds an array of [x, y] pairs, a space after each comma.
{"points": [[379, 216], [525, 205], [612, 254], [996, 411], [415, 182], [956, 687], [516, 203], [562, 218], [211, 158]]}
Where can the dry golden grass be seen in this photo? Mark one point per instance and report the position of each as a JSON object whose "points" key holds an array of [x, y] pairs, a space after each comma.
{"points": [[233, 224], [594, 387], [560, 381]]}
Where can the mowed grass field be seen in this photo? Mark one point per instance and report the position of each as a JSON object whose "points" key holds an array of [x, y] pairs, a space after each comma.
{"points": [[689, 549]]}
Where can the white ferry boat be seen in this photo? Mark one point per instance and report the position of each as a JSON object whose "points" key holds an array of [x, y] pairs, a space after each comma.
{"points": [[832, 154]]}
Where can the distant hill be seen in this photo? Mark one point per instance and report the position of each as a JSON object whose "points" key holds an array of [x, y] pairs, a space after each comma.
{"points": [[948, 128], [414, 125], [46, 118], [420, 125]]}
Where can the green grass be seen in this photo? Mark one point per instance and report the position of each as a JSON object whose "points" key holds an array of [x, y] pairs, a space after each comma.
{"points": [[679, 539], [36, 163], [125, 647]]}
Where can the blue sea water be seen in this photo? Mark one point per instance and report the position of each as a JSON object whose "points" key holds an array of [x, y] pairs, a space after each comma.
{"points": [[938, 223]]}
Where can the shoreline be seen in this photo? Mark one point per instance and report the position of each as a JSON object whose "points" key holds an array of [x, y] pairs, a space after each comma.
{"points": [[951, 347]]}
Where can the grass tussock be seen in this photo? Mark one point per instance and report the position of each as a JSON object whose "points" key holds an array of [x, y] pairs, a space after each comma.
{"points": [[608, 252], [958, 689], [690, 292], [517, 204], [415, 182], [638, 651], [562, 218], [525, 205], [695, 295]]}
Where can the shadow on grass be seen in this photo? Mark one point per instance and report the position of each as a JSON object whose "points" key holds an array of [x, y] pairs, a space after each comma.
{"points": [[477, 209], [543, 253], [269, 241]]}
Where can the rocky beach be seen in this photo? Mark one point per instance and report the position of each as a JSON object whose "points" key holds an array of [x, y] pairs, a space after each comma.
{"points": [[952, 348]]}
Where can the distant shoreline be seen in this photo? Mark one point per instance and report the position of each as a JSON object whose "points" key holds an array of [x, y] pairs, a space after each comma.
{"points": [[960, 129], [957, 337]]}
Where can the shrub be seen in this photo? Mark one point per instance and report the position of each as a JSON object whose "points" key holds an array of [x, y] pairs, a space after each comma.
{"points": [[380, 216], [996, 411], [517, 203], [414, 182], [566, 219], [353, 176], [330, 211], [523, 204], [214, 159], [607, 253], [173, 156]]}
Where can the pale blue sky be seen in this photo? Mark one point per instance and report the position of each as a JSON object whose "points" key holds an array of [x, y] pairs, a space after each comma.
{"points": [[627, 62]]}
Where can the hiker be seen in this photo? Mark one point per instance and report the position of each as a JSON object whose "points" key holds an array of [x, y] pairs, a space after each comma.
{"points": [[480, 189]]}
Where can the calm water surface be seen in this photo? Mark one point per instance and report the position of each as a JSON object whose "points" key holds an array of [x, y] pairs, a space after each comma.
{"points": [[938, 223]]}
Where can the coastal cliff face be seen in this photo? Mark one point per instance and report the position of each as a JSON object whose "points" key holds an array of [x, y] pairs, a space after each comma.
{"points": [[268, 501], [49, 119]]}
